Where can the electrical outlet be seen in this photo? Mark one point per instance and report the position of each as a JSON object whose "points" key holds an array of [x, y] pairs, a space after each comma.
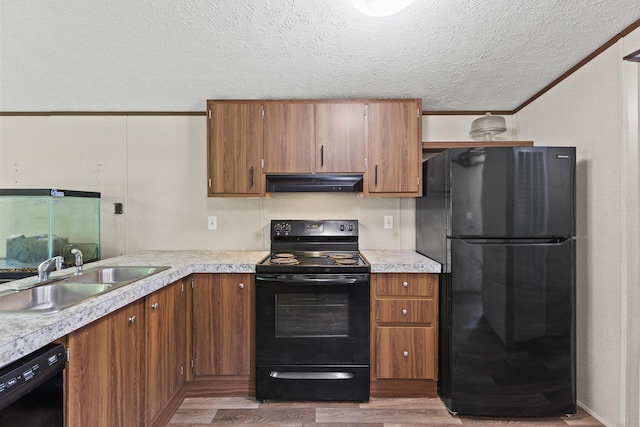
{"points": [[212, 223], [388, 222]]}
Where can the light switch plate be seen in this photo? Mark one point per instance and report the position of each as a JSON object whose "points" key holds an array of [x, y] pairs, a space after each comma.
{"points": [[388, 222]]}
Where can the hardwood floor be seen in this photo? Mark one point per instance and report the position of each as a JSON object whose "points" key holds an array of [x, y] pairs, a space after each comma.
{"points": [[375, 413]]}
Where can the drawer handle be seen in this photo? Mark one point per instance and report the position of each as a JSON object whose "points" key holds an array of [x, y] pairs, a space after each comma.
{"points": [[404, 312], [154, 305], [405, 284], [405, 354], [241, 285], [132, 319]]}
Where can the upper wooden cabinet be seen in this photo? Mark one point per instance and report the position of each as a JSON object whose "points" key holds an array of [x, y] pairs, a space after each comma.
{"points": [[395, 148], [289, 137], [234, 148], [380, 139], [314, 137], [340, 137]]}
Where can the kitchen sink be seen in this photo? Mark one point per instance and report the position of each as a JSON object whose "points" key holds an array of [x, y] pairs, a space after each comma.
{"points": [[52, 297], [113, 274], [66, 291]]}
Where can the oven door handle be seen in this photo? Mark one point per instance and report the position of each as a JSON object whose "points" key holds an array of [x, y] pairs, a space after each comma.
{"points": [[310, 279], [312, 375]]}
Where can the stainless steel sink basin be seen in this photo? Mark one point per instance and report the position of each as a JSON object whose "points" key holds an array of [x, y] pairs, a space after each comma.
{"points": [[113, 274], [66, 291], [52, 297]]}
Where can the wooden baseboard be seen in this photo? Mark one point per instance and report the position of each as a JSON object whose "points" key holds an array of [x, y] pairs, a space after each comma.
{"points": [[404, 388], [220, 388], [379, 388], [163, 418]]}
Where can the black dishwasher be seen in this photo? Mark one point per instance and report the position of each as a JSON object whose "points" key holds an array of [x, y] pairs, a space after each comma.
{"points": [[31, 393]]}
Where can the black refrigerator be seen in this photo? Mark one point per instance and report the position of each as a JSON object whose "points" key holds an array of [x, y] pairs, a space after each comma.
{"points": [[501, 221]]}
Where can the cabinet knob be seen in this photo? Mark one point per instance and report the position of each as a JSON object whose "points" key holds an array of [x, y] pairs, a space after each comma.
{"points": [[241, 285], [405, 354], [404, 312], [132, 319], [405, 284], [154, 305]]}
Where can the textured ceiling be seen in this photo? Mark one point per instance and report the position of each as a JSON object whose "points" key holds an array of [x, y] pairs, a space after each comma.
{"points": [[168, 55]]}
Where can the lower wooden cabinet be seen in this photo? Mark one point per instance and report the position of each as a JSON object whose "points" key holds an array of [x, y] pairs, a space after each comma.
{"points": [[222, 335], [195, 336], [105, 375], [166, 350], [405, 353], [127, 368], [404, 313]]}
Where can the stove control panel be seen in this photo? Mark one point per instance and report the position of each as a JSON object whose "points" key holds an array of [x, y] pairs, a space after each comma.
{"points": [[281, 227], [326, 228]]}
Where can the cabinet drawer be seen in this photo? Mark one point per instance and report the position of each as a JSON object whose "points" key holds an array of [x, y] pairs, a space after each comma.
{"points": [[405, 311], [406, 353], [405, 284]]}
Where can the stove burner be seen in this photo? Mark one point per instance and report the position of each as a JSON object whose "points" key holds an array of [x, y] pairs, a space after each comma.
{"points": [[346, 261], [284, 255], [343, 259], [341, 256], [284, 259]]}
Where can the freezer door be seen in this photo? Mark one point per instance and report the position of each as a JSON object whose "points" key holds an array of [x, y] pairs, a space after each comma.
{"points": [[512, 192], [512, 328]]}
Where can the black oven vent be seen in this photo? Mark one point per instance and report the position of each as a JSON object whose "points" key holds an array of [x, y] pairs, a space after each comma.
{"points": [[314, 183]]}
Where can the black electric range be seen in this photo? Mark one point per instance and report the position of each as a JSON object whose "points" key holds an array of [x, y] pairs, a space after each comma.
{"points": [[312, 313]]}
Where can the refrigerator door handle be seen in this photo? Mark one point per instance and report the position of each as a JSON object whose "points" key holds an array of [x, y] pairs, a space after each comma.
{"points": [[524, 241]]}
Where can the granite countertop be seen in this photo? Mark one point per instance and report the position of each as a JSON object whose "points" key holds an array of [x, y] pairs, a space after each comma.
{"points": [[22, 333], [390, 261]]}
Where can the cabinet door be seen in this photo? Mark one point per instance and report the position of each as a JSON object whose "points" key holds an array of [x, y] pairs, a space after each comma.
{"points": [[395, 148], [235, 140], [105, 370], [340, 137], [165, 346], [289, 137], [222, 324], [406, 353]]}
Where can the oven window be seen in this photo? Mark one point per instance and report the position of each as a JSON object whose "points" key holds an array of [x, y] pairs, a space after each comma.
{"points": [[312, 315]]}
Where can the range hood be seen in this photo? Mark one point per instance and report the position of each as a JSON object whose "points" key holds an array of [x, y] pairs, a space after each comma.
{"points": [[314, 183]]}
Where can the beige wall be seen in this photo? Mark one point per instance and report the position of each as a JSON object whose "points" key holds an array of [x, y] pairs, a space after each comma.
{"points": [[590, 110], [456, 128], [156, 166]]}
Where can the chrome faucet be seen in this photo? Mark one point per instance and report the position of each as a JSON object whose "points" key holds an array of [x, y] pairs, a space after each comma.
{"points": [[47, 267], [78, 254]]}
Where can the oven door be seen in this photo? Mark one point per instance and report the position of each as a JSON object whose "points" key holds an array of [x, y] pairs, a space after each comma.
{"points": [[306, 319]]}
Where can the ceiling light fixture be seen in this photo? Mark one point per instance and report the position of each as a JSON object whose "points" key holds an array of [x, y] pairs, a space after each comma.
{"points": [[635, 56], [485, 127], [380, 7]]}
